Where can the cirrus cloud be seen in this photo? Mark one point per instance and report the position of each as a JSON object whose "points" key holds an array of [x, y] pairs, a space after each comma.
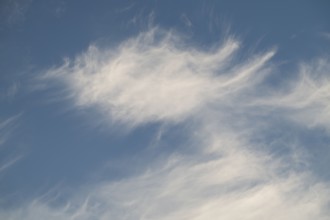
{"points": [[156, 77]]}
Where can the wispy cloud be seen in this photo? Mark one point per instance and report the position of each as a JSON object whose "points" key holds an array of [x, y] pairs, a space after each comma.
{"points": [[233, 185], [6, 129], [10, 92], [154, 78], [158, 78], [9, 162], [307, 100], [325, 35], [186, 21]]}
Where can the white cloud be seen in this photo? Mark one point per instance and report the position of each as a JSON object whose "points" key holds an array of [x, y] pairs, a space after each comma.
{"points": [[156, 77], [307, 100], [234, 185]]}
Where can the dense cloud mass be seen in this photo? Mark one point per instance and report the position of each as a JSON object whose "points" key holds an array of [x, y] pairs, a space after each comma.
{"points": [[156, 77]]}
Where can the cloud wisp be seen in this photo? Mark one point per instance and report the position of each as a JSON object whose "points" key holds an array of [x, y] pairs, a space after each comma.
{"points": [[6, 126], [308, 99], [154, 78], [157, 78], [6, 129]]}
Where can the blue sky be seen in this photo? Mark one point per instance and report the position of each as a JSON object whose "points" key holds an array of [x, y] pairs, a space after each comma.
{"points": [[164, 109]]}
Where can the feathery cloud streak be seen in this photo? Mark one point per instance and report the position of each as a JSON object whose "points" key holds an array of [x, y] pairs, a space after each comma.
{"points": [[153, 78], [6, 128], [156, 77]]}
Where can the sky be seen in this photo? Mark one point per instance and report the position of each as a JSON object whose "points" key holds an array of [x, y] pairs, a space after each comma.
{"points": [[163, 109]]}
